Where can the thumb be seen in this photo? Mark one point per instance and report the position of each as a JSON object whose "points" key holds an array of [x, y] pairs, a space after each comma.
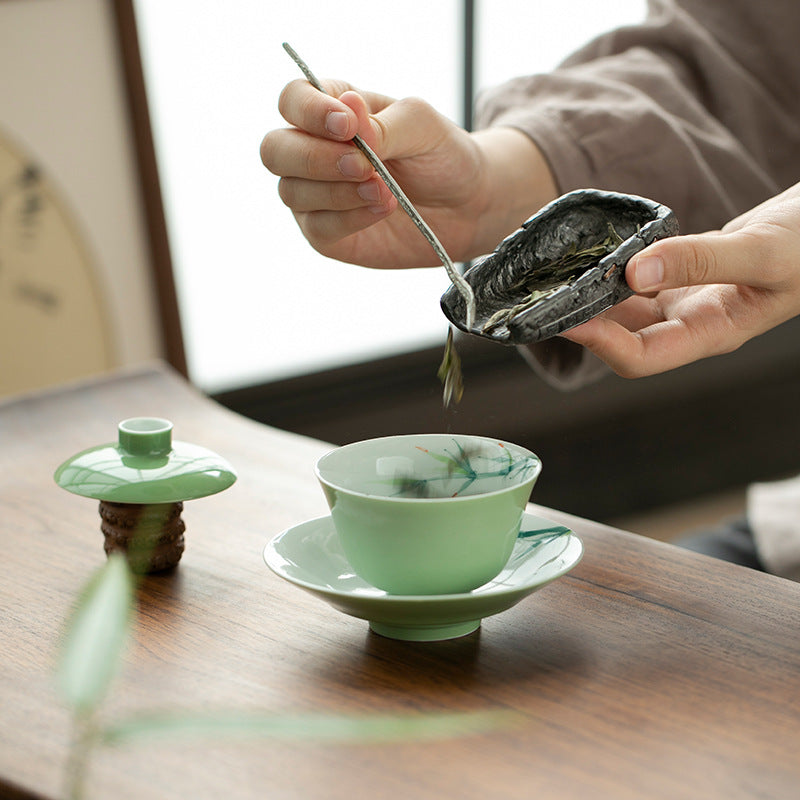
{"points": [[401, 129], [694, 260], [364, 126]]}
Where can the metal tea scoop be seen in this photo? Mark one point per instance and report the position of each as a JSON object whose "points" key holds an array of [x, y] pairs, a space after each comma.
{"points": [[565, 265]]}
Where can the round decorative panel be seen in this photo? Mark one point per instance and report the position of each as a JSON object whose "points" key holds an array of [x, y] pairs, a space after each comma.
{"points": [[53, 324]]}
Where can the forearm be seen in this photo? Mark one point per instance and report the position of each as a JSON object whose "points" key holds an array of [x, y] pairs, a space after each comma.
{"points": [[517, 182], [661, 109]]}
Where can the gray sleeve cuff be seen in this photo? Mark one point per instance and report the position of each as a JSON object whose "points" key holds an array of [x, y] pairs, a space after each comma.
{"points": [[563, 364]]}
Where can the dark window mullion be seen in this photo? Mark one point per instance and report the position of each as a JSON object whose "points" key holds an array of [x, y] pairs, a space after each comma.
{"points": [[468, 62]]}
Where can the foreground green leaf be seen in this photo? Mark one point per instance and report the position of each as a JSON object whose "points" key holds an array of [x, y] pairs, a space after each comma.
{"points": [[318, 727], [95, 636]]}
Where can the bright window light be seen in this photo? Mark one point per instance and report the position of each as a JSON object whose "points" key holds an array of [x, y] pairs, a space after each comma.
{"points": [[257, 302], [520, 37]]}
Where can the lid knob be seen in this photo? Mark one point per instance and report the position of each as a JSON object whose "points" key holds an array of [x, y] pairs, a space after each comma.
{"points": [[146, 436]]}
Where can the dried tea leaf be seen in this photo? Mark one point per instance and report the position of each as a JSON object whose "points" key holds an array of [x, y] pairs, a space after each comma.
{"points": [[450, 373], [554, 275], [504, 314]]}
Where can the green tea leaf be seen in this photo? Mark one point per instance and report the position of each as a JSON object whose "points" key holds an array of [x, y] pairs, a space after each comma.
{"points": [[546, 278], [316, 727], [449, 373], [502, 316], [95, 636]]}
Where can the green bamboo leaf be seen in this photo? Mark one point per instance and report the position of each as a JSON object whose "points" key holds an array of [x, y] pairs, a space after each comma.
{"points": [[316, 727], [95, 636]]}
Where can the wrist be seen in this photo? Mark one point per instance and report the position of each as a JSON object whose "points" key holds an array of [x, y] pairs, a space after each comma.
{"points": [[516, 182]]}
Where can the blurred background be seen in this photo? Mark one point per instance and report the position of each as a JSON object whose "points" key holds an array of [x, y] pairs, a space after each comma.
{"points": [[137, 223]]}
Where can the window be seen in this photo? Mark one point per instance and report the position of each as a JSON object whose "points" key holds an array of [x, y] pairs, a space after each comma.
{"points": [[256, 302]]}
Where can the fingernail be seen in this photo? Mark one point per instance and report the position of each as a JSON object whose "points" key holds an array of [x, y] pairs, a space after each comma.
{"points": [[336, 123], [649, 273], [370, 191], [351, 165]]}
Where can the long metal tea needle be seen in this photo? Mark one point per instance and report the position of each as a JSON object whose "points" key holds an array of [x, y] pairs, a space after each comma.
{"points": [[455, 277]]}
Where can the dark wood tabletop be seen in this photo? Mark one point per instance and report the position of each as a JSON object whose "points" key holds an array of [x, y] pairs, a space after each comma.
{"points": [[646, 672]]}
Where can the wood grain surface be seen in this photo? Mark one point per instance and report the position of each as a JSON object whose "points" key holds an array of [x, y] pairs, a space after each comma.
{"points": [[647, 672]]}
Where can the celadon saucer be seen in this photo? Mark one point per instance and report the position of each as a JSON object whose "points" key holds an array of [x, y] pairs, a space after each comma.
{"points": [[310, 556]]}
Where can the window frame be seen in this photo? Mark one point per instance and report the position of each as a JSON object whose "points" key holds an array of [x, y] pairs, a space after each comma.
{"points": [[150, 185]]}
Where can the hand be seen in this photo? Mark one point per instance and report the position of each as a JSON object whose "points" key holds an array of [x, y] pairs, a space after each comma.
{"points": [[705, 294], [464, 185]]}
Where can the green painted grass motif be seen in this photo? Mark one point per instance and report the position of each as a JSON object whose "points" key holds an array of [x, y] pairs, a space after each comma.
{"points": [[460, 465], [539, 537]]}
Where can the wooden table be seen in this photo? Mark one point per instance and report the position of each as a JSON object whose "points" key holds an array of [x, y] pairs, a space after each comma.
{"points": [[647, 672]]}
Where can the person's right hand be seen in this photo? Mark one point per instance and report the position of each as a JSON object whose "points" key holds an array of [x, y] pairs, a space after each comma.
{"points": [[704, 294], [466, 186]]}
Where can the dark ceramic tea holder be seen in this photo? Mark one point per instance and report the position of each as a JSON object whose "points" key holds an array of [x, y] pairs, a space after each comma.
{"points": [[577, 221]]}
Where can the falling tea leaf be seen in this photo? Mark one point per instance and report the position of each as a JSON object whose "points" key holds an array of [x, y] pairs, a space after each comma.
{"points": [[450, 373]]}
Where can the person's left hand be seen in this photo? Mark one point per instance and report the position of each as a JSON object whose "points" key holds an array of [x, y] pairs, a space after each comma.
{"points": [[705, 294]]}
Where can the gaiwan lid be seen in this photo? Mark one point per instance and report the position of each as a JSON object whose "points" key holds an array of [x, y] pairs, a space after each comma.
{"points": [[145, 466]]}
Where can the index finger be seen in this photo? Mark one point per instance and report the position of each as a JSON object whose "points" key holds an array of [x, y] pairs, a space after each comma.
{"points": [[317, 113]]}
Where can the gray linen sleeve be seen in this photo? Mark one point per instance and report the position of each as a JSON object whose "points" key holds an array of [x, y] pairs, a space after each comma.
{"points": [[696, 108]]}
